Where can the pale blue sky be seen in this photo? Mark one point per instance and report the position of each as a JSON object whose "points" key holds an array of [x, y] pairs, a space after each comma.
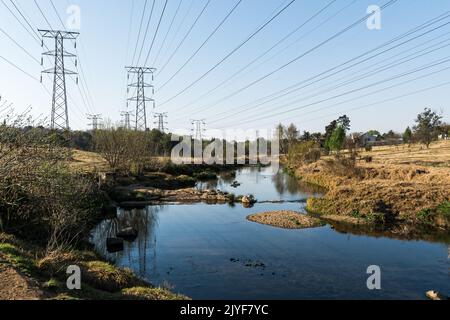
{"points": [[103, 50]]}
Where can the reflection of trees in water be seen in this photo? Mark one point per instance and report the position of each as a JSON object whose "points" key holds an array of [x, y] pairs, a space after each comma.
{"points": [[278, 181], [228, 176], [142, 220], [284, 182], [208, 185], [292, 184]]}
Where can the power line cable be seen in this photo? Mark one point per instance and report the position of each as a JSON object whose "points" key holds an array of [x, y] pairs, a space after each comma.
{"points": [[156, 32], [305, 53], [428, 66], [295, 87], [149, 20], [140, 30], [167, 33], [203, 44], [252, 106], [227, 80], [184, 38], [231, 53]]}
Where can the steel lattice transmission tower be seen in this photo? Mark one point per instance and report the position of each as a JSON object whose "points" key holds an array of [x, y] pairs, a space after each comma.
{"points": [[60, 112], [198, 128], [126, 122], [141, 99], [161, 121], [95, 118]]}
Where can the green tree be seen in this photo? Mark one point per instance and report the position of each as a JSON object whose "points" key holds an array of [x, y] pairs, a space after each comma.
{"points": [[344, 122], [427, 126], [407, 136], [306, 136], [336, 140]]}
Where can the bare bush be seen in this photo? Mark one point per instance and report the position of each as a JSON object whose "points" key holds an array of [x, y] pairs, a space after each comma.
{"points": [[304, 153], [125, 150], [39, 197]]}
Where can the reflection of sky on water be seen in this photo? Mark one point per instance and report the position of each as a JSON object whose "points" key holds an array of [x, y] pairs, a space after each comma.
{"points": [[193, 248], [263, 184]]}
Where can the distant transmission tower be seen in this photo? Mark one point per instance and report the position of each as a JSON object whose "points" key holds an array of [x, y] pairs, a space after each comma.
{"points": [[161, 121], [198, 128], [140, 98], [126, 122], [60, 113], [95, 118]]}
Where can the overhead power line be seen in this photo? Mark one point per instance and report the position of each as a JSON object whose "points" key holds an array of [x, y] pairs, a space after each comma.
{"points": [[185, 37], [203, 44], [308, 82], [353, 25], [139, 33], [231, 53], [167, 33], [227, 80], [404, 74], [149, 20], [326, 74]]}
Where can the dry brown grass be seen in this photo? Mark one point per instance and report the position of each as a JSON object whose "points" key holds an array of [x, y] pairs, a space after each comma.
{"points": [[286, 220], [401, 181], [84, 161]]}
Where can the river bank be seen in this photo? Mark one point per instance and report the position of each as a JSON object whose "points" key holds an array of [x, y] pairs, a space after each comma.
{"points": [[28, 273], [398, 187]]}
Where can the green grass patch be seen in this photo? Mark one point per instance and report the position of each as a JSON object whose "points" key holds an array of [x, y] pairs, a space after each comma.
{"points": [[444, 209], [147, 293], [18, 259]]}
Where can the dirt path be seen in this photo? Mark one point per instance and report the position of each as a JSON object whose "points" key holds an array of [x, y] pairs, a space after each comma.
{"points": [[15, 286]]}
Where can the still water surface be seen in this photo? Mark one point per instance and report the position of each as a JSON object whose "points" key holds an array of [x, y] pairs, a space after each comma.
{"points": [[213, 252]]}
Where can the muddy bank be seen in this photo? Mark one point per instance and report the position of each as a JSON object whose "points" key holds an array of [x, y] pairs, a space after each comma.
{"points": [[286, 220]]}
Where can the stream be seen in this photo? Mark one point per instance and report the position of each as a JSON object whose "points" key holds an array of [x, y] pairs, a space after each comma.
{"points": [[212, 251]]}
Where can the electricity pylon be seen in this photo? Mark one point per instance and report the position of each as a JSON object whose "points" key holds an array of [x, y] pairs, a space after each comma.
{"points": [[60, 112], [95, 118], [198, 128], [161, 121], [126, 122], [140, 98]]}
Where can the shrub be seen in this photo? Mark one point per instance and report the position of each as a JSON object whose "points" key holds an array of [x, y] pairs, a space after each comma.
{"points": [[343, 166], [39, 197], [305, 152]]}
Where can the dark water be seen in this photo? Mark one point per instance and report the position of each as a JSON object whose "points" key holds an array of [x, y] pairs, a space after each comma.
{"points": [[213, 252]]}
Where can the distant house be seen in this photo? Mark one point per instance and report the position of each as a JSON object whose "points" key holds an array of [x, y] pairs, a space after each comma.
{"points": [[367, 139], [444, 136]]}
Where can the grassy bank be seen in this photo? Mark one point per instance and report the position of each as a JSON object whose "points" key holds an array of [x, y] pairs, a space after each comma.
{"points": [[400, 185], [34, 274]]}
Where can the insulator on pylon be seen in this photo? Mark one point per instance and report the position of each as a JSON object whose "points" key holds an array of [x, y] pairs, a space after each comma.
{"points": [[41, 78], [154, 104], [76, 62], [42, 43], [128, 90], [75, 44], [153, 90], [77, 81], [42, 61], [128, 76]]}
